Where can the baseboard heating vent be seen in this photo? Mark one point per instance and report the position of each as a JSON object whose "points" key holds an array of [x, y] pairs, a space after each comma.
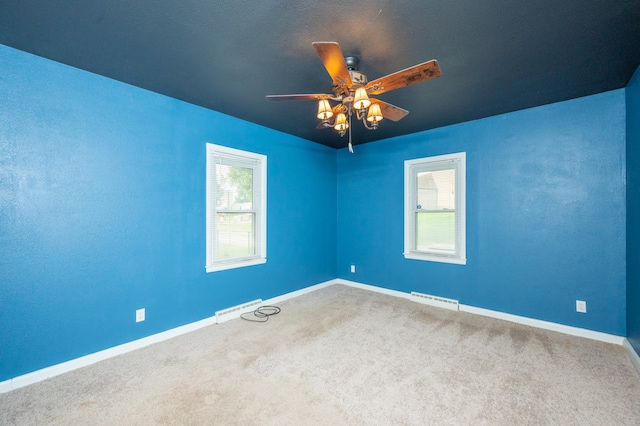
{"points": [[440, 302], [236, 311]]}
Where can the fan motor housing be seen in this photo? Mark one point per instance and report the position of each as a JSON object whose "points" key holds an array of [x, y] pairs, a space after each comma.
{"points": [[357, 78]]}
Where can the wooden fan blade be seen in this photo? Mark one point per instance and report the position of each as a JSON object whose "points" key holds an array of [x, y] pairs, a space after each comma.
{"points": [[338, 109], [389, 111], [303, 97], [333, 60], [415, 74]]}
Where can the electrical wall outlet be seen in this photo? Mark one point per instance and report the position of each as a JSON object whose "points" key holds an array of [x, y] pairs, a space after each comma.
{"points": [[581, 306], [353, 268], [140, 314]]}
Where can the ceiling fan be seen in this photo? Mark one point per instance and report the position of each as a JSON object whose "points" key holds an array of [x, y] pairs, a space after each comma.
{"points": [[352, 89]]}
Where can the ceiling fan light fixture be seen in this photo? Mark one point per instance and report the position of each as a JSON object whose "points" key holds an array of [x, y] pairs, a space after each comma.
{"points": [[341, 123], [374, 116], [352, 89], [361, 99], [324, 110]]}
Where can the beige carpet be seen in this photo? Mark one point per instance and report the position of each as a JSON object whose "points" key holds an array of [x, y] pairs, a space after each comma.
{"points": [[344, 356]]}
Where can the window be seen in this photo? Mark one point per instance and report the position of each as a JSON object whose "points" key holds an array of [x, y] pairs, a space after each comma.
{"points": [[236, 208], [434, 211]]}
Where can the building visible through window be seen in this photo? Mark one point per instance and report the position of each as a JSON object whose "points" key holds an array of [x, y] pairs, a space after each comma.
{"points": [[435, 208]]}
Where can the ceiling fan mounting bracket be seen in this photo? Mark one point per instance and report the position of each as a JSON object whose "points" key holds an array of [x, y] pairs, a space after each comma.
{"points": [[357, 78], [352, 62]]}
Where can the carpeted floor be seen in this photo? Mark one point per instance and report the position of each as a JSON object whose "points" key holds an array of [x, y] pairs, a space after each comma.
{"points": [[345, 356]]}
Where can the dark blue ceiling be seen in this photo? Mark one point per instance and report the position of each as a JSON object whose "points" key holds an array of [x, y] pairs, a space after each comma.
{"points": [[496, 56]]}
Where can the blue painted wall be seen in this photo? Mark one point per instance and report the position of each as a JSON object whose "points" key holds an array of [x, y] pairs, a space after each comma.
{"points": [[633, 210], [545, 213], [102, 212]]}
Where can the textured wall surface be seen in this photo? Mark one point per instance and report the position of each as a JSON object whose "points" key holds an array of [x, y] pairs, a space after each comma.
{"points": [[102, 212], [633, 210], [545, 213]]}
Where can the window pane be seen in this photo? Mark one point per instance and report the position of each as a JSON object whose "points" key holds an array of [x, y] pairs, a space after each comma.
{"points": [[435, 216], [436, 190], [234, 235], [436, 231], [434, 208], [234, 187]]}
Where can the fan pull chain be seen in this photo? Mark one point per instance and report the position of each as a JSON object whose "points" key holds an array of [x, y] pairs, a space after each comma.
{"points": [[350, 145]]}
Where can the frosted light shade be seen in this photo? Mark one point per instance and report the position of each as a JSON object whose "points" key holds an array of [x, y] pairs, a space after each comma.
{"points": [[375, 114], [341, 123], [361, 99], [324, 110]]}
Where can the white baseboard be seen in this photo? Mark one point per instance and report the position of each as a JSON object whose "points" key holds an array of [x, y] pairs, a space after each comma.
{"points": [[48, 372], [633, 355], [64, 367], [83, 361], [382, 290], [287, 296], [546, 325]]}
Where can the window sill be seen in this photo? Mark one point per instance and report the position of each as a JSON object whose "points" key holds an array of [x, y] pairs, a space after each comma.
{"points": [[236, 264], [434, 258]]}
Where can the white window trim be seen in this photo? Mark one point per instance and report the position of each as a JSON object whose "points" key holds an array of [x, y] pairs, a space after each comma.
{"points": [[261, 217], [409, 218]]}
